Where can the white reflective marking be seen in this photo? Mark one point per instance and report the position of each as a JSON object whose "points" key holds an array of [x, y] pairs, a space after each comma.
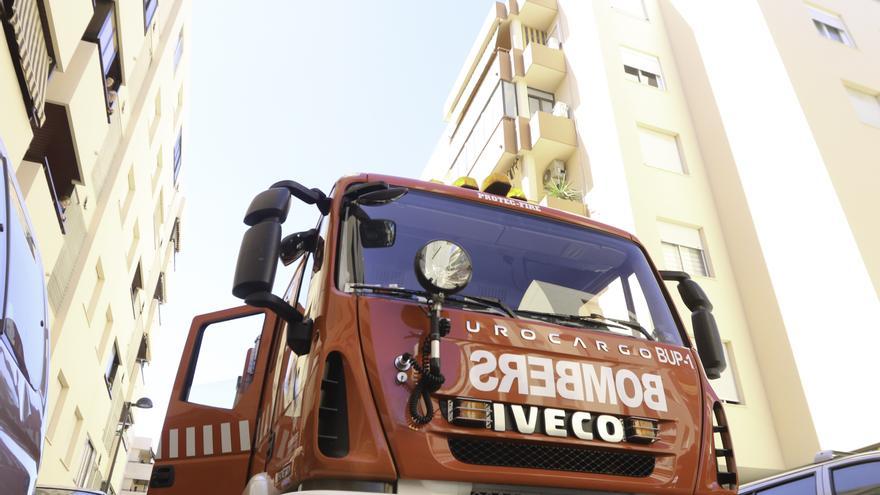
{"points": [[207, 440], [190, 441], [244, 435], [172, 443], [225, 438]]}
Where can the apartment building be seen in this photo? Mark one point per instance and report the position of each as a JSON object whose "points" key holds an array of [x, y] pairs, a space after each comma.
{"points": [[739, 142], [93, 96], [139, 467]]}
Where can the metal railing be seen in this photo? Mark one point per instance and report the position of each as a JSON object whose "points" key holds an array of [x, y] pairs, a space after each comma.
{"points": [[62, 273], [33, 52]]}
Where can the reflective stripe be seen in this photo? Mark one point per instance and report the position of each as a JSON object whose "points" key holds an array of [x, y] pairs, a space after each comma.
{"points": [[244, 435], [190, 441], [207, 440], [172, 443], [225, 438]]}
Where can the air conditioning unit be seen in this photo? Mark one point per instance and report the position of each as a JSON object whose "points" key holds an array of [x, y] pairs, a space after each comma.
{"points": [[555, 172], [560, 109]]}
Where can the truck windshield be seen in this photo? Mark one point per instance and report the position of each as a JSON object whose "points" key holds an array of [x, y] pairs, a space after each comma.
{"points": [[534, 265]]}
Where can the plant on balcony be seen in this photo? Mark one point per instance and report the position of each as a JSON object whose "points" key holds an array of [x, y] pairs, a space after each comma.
{"points": [[561, 189]]}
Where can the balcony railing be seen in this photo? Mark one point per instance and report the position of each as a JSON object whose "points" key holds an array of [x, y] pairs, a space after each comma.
{"points": [[543, 65], [75, 235], [553, 137], [535, 13], [32, 49]]}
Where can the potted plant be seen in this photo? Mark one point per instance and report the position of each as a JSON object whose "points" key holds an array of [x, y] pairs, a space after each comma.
{"points": [[562, 195]]}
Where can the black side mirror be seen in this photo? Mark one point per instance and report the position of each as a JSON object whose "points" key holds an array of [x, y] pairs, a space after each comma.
{"points": [[261, 248], [705, 327], [296, 245]]}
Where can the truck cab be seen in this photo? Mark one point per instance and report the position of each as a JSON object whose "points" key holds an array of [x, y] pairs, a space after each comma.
{"points": [[24, 341], [441, 339]]}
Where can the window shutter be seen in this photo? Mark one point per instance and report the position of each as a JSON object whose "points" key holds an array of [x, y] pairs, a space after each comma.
{"points": [[660, 150], [867, 106], [681, 235]]}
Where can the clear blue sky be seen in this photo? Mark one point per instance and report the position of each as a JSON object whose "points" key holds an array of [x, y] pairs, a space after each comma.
{"points": [[297, 90]]}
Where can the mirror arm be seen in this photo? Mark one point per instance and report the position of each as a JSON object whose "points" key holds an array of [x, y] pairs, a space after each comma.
{"points": [[674, 276], [313, 196], [277, 305]]}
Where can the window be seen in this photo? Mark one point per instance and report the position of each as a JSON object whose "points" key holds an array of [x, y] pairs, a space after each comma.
{"points": [[112, 367], [800, 486], [540, 101], [660, 150], [856, 479], [86, 464], [634, 8], [866, 105], [726, 386], [683, 249], [149, 11], [178, 150], [178, 50], [137, 287], [226, 359], [642, 68], [102, 31], [830, 26]]}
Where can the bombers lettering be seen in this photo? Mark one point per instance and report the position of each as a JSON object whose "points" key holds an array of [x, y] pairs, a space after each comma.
{"points": [[663, 355], [544, 377]]}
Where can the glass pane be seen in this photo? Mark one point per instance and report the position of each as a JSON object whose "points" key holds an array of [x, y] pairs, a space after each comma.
{"points": [[225, 361], [834, 34], [671, 259], [530, 263], [693, 261], [802, 486], [25, 306], [650, 78], [857, 479]]}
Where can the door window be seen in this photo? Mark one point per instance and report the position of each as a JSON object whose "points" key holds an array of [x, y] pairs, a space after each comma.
{"points": [[857, 479], [800, 486], [226, 357], [25, 318]]}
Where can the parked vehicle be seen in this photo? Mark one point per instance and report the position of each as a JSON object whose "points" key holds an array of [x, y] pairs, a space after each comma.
{"points": [[853, 474], [438, 339], [24, 350], [57, 490]]}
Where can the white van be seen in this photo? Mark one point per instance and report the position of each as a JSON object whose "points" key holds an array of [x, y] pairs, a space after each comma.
{"points": [[855, 474]]}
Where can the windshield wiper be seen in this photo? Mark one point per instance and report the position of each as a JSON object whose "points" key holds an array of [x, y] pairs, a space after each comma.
{"points": [[593, 318], [423, 296]]}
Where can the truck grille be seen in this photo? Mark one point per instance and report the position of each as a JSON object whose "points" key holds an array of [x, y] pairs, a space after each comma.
{"points": [[552, 457]]}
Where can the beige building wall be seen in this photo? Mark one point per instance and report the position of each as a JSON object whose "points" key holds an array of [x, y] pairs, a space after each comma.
{"points": [[109, 257], [775, 179]]}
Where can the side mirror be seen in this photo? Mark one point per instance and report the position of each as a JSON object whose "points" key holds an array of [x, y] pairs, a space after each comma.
{"points": [[705, 327], [295, 245], [257, 259]]}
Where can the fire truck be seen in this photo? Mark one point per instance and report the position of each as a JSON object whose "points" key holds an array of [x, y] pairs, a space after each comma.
{"points": [[445, 339]]}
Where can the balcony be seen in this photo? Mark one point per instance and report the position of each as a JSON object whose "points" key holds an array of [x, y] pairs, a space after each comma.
{"points": [[552, 137], [138, 470], [102, 32], [499, 152], [538, 14], [486, 141], [543, 67]]}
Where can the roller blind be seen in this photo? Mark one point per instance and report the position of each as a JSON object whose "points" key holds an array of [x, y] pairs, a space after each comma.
{"points": [[660, 150], [867, 106], [681, 235]]}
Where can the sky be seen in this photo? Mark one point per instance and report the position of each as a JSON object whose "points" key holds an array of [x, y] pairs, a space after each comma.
{"points": [[307, 91]]}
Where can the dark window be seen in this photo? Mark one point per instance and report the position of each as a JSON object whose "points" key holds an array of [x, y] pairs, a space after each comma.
{"points": [[178, 150], [23, 324], [112, 368], [642, 76], [102, 30], [540, 101], [149, 11], [137, 287], [857, 479], [801, 486]]}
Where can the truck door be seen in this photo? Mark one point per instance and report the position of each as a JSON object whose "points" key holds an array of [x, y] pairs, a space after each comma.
{"points": [[205, 446]]}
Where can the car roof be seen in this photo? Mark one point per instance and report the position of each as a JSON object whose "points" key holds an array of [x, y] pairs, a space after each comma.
{"points": [[810, 468]]}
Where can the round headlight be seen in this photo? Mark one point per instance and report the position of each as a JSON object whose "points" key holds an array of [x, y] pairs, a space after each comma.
{"points": [[443, 267]]}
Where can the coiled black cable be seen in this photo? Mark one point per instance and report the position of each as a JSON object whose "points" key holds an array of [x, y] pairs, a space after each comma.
{"points": [[428, 382]]}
